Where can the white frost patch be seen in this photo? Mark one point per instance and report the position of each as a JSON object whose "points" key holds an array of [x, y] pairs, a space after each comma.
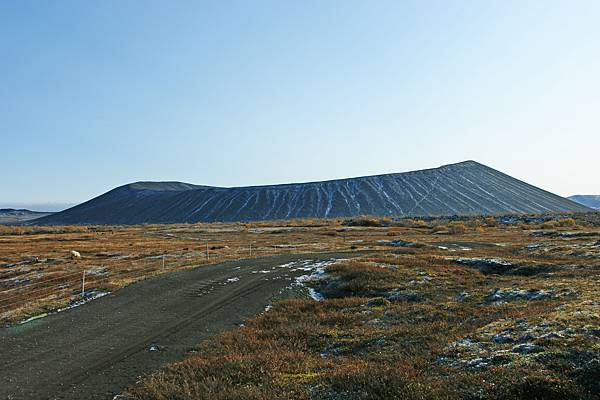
{"points": [[33, 318], [462, 248], [304, 268], [315, 295], [288, 265], [316, 269], [89, 298], [234, 279]]}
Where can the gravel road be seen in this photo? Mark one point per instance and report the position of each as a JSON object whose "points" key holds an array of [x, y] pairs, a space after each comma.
{"points": [[96, 350]]}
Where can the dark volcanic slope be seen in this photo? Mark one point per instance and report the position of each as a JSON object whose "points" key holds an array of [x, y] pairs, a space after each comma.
{"points": [[588, 200], [466, 188]]}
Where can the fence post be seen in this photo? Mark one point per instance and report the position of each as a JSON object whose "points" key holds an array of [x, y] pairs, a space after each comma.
{"points": [[83, 285], [163, 262], [207, 255], [250, 250]]}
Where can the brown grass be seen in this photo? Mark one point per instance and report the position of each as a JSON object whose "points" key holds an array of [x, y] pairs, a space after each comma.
{"points": [[37, 274], [411, 323]]}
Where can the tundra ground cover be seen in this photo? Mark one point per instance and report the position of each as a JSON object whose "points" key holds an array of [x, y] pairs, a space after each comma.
{"points": [[37, 273], [481, 314]]}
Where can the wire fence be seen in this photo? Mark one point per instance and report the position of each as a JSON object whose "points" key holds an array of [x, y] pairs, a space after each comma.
{"points": [[76, 282]]}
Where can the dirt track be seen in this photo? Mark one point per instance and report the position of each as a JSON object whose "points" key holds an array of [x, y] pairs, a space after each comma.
{"points": [[96, 350]]}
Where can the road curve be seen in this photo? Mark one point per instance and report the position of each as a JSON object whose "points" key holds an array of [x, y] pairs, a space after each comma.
{"points": [[96, 350]]}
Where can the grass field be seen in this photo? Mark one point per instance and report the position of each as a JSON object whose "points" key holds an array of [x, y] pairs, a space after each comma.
{"points": [[499, 308]]}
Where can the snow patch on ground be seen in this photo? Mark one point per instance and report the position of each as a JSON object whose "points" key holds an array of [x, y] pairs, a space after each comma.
{"points": [[315, 295], [317, 271], [87, 298]]}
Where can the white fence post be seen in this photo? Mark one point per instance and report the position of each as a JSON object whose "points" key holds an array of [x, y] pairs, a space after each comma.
{"points": [[83, 285], [163, 262]]}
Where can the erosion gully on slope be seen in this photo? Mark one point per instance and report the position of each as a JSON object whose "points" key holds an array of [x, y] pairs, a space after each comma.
{"points": [[96, 350]]}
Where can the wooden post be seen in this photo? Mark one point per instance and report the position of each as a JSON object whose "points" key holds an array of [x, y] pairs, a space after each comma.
{"points": [[163, 262], [207, 255], [250, 250]]}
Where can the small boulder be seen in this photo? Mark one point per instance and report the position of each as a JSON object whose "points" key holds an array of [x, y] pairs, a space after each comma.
{"points": [[403, 295], [527, 348], [462, 296], [378, 302], [501, 338]]}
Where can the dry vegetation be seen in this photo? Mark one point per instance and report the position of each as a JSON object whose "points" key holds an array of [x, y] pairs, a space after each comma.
{"points": [[470, 308], [38, 274], [486, 311]]}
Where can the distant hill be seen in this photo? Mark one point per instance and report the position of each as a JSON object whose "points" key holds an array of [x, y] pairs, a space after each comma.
{"points": [[466, 188], [10, 216], [589, 200]]}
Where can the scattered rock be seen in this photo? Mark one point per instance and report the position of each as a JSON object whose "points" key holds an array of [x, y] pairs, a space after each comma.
{"points": [[397, 243], [378, 302], [400, 243], [544, 233], [476, 363], [486, 265], [424, 278], [466, 342], [96, 270], [462, 296], [502, 338], [527, 337], [403, 295], [513, 220], [502, 267], [501, 295], [535, 246], [578, 234], [527, 348], [595, 332]]}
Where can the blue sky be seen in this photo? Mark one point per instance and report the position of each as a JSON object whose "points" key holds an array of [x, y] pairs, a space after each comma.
{"points": [[98, 94]]}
